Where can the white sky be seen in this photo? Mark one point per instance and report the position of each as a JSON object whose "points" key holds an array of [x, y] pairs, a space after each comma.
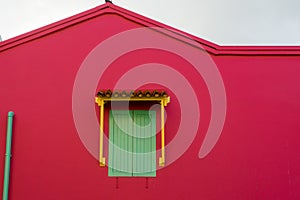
{"points": [[225, 22]]}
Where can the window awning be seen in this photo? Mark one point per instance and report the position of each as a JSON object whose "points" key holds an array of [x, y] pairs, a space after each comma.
{"points": [[104, 96], [140, 95]]}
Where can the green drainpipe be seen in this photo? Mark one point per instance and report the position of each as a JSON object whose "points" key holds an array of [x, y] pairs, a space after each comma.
{"points": [[7, 155]]}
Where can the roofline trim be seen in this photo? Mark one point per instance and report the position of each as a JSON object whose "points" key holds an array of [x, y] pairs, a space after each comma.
{"points": [[178, 34], [53, 27]]}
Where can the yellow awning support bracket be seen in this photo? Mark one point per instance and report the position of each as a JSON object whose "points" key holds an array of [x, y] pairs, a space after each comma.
{"points": [[101, 103], [105, 96], [162, 114], [163, 103]]}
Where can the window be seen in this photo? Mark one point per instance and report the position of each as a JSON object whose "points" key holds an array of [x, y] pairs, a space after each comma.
{"points": [[132, 143], [132, 152]]}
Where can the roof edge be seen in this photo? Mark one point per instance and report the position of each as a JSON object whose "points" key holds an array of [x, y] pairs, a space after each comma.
{"points": [[53, 27], [178, 34], [210, 46]]}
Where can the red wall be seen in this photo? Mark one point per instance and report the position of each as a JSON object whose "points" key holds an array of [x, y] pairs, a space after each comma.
{"points": [[256, 157]]}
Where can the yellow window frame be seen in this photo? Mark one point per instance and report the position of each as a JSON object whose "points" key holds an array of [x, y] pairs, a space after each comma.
{"points": [[155, 96]]}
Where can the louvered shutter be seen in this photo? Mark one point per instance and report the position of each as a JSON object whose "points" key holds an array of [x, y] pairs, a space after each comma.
{"points": [[144, 143], [132, 147], [120, 143]]}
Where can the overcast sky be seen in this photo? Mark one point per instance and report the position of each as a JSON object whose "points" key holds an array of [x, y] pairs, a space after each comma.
{"points": [[225, 22]]}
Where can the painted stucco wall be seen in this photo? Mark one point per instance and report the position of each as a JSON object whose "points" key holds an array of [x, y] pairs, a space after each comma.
{"points": [[256, 156]]}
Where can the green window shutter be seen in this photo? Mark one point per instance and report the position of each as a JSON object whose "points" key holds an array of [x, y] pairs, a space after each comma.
{"points": [[144, 143], [120, 143], [132, 147]]}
